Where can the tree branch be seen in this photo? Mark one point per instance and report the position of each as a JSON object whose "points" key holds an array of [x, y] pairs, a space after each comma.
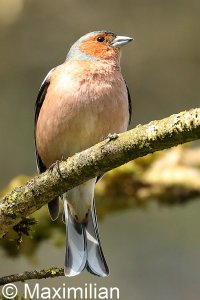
{"points": [[112, 152], [49, 273]]}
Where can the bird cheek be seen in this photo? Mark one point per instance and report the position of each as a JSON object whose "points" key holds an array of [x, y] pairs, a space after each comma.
{"points": [[98, 50]]}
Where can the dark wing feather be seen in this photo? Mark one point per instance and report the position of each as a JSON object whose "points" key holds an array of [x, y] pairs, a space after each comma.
{"points": [[54, 204], [129, 103], [38, 104]]}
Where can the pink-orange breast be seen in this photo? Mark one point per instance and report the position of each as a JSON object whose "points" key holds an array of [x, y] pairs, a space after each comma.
{"points": [[84, 103]]}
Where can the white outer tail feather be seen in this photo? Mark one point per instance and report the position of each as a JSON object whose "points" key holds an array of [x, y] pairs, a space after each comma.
{"points": [[83, 248]]}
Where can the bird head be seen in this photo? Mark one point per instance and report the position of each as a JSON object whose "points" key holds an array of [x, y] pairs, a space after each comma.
{"points": [[98, 45]]}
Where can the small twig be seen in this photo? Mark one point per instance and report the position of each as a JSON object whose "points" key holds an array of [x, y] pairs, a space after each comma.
{"points": [[49, 273]]}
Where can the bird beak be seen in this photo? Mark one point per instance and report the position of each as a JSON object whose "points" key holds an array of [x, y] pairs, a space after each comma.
{"points": [[120, 41]]}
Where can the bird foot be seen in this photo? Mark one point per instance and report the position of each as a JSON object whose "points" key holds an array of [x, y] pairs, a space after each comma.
{"points": [[112, 136], [56, 165]]}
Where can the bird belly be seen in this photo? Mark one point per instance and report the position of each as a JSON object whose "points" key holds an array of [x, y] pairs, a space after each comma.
{"points": [[80, 200]]}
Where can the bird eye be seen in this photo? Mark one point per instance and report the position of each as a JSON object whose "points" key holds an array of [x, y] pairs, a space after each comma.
{"points": [[100, 39]]}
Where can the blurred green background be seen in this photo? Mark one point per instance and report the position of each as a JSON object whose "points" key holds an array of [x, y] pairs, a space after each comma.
{"points": [[152, 254]]}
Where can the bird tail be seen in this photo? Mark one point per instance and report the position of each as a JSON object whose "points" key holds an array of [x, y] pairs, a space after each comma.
{"points": [[83, 247]]}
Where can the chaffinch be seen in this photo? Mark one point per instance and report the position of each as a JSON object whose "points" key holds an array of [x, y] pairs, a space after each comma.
{"points": [[79, 103]]}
